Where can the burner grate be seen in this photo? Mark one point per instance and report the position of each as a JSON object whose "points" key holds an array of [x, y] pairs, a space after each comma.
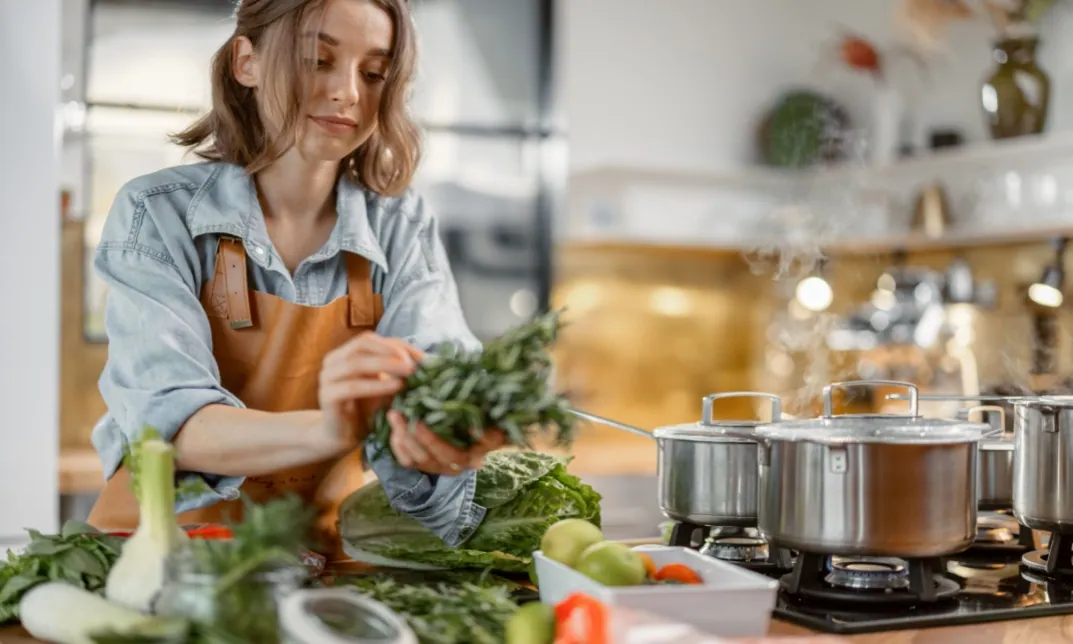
{"points": [[1055, 561], [868, 574], [735, 549], [811, 581]]}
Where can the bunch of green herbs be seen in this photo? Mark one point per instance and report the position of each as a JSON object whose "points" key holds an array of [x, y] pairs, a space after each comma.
{"points": [[461, 394], [231, 574], [445, 612], [271, 537], [80, 555]]}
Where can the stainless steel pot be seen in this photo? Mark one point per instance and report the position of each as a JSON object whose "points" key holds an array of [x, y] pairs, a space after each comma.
{"points": [[884, 484], [994, 469], [707, 471], [1043, 463]]}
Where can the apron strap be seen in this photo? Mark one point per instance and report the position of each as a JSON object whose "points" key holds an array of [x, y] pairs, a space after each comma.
{"points": [[231, 255], [360, 291]]}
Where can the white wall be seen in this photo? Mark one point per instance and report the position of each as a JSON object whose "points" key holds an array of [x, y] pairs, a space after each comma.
{"points": [[29, 266], [684, 82]]}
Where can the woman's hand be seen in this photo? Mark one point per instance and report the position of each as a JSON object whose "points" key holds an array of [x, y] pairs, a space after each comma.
{"points": [[422, 450], [357, 379]]}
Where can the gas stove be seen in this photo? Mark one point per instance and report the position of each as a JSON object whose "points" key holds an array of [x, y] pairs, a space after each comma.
{"points": [[999, 532], [742, 546], [1000, 577]]}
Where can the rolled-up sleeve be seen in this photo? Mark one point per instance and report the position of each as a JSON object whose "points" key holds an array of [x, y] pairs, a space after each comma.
{"points": [[421, 306], [160, 368]]}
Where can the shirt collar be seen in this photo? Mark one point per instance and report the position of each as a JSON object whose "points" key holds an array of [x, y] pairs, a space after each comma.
{"points": [[227, 204]]}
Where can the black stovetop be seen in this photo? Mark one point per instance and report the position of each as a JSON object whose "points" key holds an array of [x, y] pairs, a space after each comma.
{"points": [[983, 584], [990, 589]]}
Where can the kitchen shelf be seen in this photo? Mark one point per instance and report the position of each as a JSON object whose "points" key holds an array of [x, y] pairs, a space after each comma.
{"points": [[1002, 192], [1006, 152], [847, 245]]}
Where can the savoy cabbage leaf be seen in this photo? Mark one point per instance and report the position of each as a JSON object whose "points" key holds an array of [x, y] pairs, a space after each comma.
{"points": [[524, 493]]}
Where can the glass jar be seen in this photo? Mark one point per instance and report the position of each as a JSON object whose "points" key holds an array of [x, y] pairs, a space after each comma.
{"points": [[246, 606]]}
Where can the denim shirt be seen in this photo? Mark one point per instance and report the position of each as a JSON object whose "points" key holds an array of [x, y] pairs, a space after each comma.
{"points": [[159, 245]]}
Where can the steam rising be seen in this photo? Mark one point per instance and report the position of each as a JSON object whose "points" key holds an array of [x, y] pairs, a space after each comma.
{"points": [[795, 236]]}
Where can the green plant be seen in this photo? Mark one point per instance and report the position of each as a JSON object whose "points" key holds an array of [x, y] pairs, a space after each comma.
{"points": [[460, 394], [80, 555], [445, 613]]}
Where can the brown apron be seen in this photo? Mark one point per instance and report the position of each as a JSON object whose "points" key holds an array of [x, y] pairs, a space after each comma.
{"points": [[269, 352]]}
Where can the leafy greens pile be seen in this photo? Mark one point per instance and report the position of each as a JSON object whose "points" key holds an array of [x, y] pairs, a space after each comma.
{"points": [[80, 555], [270, 538], [236, 603], [507, 385], [524, 493], [445, 612]]}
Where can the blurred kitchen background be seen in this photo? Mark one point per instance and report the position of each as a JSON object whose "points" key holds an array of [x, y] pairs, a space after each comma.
{"points": [[727, 196]]}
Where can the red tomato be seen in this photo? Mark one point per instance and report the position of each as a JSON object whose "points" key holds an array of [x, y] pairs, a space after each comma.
{"points": [[580, 619], [210, 532]]}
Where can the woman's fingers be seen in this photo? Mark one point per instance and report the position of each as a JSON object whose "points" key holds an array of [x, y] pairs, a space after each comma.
{"points": [[369, 344], [493, 439], [408, 453], [348, 390], [421, 449], [447, 455], [367, 366]]}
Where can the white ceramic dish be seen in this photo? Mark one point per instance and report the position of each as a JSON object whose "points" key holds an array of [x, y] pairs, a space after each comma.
{"points": [[732, 601]]}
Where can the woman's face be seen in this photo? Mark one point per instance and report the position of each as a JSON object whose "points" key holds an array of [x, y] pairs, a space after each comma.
{"points": [[353, 49]]}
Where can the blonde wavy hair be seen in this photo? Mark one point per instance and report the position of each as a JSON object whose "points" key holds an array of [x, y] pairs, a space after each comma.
{"points": [[233, 131]]}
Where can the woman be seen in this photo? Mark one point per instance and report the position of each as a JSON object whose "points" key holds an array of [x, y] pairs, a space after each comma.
{"points": [[264, 303]]}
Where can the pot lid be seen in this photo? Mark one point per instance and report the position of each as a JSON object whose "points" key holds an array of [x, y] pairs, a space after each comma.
{"points": [[710, 430], [1060, 402], [908, 428], [877, 428]]}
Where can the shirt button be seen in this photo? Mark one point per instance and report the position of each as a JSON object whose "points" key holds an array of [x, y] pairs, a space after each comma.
{"points": [[260, 251]]}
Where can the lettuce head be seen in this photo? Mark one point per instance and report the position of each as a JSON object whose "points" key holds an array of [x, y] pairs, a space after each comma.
{"points": [[524, 493]]}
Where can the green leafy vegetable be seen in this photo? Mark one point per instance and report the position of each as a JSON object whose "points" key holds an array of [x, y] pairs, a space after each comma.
{"points": [[507, 386], [271, 537], [80, 555], [523, 492], [442, 612], [268, 541]]}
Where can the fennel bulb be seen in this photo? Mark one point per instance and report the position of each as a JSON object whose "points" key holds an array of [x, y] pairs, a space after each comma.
{"points": [[138, 575], [60, 612]]}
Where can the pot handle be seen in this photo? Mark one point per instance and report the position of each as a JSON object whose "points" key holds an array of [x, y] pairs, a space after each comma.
{"points": [[708, 405], [611, 423], [993, 432], [914, 393]]}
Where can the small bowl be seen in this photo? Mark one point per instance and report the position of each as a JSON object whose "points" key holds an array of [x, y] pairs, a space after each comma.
{"points": [[731, 601]]}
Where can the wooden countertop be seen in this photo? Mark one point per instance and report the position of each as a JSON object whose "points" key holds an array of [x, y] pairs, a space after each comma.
{"points": [[1042, 630]]}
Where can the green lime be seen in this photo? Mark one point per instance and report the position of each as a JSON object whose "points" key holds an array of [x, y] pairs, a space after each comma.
{"points": [[533, 623], [565, 540], [612, 564]]}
